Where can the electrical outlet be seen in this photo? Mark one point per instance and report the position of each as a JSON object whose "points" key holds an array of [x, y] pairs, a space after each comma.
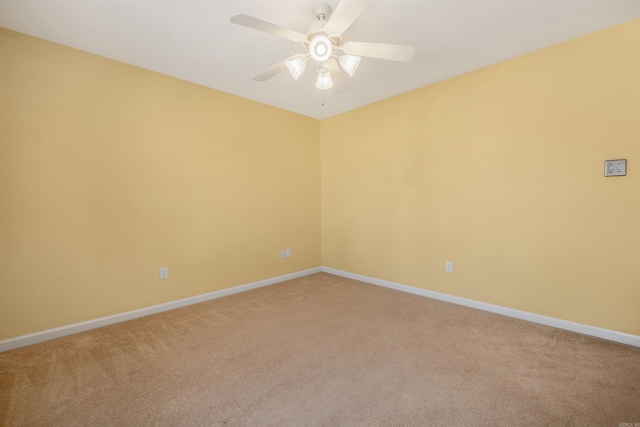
{"points": [[615, 167], [164, 273], [448, 266], [283, 253], [288, 252]]}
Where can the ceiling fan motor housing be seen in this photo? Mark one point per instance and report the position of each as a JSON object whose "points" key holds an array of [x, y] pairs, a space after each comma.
{"points": [[317, 30]]}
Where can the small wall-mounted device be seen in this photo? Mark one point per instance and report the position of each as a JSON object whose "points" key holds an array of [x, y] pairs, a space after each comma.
{"points": [[448, 266], [615, 167]]}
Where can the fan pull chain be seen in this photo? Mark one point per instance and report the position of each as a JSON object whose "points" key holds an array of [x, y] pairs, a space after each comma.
{"points": [[322, 90]]}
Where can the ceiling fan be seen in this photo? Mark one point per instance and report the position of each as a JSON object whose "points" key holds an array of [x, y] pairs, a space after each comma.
{"points": [[323, 43]]}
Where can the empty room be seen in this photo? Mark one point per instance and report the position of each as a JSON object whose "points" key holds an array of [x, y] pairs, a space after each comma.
{"points": [[294, 213]]}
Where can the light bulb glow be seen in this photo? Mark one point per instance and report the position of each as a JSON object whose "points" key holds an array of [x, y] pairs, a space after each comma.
{"points": [[320, 48], [296, 66], [324, 79], [349, 63]]}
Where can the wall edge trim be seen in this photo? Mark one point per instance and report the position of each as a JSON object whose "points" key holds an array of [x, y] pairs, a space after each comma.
{"points": [[607, 334], [47, 335]]}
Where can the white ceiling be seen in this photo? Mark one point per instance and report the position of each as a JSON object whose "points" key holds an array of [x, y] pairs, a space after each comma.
{"points": [[194, 40]]}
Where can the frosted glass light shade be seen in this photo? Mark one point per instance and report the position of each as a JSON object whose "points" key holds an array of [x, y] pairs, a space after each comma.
{"points": [[349, 63], [296, 66], [324, 79], [320, 48]]}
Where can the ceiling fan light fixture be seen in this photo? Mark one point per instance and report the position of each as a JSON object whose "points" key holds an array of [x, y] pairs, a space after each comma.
{"points": [[350, 63], [324, 79], [296, 66], [323, 41], [320, 48]]}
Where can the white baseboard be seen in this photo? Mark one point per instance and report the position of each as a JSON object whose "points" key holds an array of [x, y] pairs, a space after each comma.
{"points": [[50, 334], [606, 334]]}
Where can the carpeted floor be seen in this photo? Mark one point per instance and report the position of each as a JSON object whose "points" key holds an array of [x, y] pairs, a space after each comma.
{"points": [[322, 351]]}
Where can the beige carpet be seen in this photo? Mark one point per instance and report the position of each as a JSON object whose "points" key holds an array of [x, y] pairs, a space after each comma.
{"points": [[322, 351]]}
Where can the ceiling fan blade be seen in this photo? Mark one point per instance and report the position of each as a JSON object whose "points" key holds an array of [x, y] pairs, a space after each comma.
{"points": [[393, 52], [336, 76], [343, 16], [267, 74], [276, 69], [267, 27]]}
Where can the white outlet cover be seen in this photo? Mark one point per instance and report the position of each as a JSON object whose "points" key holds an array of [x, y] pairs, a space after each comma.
{"points": [[164, 272], [449, 266], [615, 167]]}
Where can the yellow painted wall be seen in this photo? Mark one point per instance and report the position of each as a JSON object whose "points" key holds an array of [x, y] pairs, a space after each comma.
{"points": [[501, 172], [109, 172]]}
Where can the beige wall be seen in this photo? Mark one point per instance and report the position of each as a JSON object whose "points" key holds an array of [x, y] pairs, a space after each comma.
{"points": [[501, 172], [110, 172]]}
